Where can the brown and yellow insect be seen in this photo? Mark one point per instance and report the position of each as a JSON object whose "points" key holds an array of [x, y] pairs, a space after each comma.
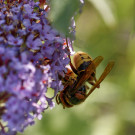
{"points": [[84, 70]]}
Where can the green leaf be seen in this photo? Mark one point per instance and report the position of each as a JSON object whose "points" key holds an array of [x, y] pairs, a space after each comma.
{"points": [[62, 12]]}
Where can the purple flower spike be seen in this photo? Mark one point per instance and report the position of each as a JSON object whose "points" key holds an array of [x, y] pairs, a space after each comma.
{"points": [[32, 56]]}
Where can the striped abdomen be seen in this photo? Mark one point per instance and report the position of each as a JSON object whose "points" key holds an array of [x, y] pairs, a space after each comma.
{"points": [[81, 61]]}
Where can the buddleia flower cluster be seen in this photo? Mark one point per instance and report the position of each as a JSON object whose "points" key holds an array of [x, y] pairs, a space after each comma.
{"points": [[32, 56]]}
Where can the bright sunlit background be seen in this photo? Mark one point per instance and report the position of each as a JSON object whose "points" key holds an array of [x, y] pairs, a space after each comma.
{"points": [[106, 28]]}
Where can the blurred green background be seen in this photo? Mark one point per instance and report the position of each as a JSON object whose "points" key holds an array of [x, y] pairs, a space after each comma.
{"points": [[106, 28]]}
